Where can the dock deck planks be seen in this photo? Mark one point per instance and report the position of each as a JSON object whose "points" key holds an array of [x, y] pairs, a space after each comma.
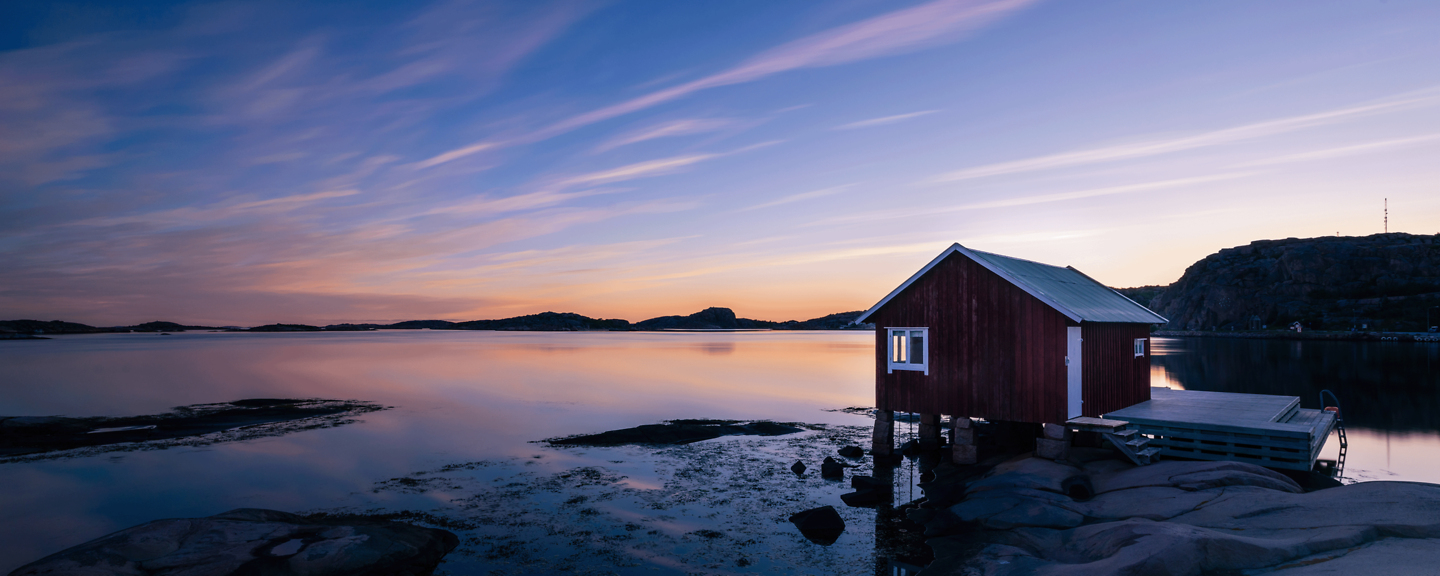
{"points": [[1263, 429]]}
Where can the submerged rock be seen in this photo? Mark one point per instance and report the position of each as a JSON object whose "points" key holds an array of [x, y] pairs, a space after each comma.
{"points": [[243, 419], [678, 432], [852, 452], [798, 467], [821, 525], [832, 468], [255, 541]]}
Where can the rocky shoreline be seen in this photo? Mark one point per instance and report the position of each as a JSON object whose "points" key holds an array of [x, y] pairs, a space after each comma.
{"points": [[747, 505], [1094, 514]]}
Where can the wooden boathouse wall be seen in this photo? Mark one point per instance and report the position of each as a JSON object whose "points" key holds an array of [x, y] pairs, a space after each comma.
{"points": [[996, 352], [1113, 377]]}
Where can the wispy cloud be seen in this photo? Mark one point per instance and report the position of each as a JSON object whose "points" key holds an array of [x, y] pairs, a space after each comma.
{"points": [[922, 26], [799, 197], [666, 130], [1028, 200], [637, 170], [455, 154], [884, 120], [1343, 151], [1170, 145]]}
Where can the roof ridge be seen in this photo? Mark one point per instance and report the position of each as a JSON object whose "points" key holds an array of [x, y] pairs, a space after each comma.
{"points": [[1020, 259]]}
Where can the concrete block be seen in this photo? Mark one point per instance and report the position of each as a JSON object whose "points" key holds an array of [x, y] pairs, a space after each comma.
{"points": [[961, 422], [1051, 449], [964, 436], [963, 454], [882, 442], [1057, 432], [929, 429]]}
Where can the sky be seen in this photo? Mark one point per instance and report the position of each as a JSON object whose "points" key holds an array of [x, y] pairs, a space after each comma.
{"points": [[244, 163]]}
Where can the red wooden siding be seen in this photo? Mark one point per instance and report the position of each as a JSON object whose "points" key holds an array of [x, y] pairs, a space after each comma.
{"points": [[996, 352], [1113, 377]]}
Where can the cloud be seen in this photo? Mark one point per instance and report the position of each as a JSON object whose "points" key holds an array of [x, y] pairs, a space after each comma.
{"points": [[455, 154], [666, 130], [922, 26], [884, 120], [1166, 146], [296, 199], [1342, 151], [799, 197], [872, 216], [637, 170]]}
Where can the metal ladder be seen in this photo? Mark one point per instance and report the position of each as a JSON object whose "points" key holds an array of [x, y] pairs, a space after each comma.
{"points": [[1339, 429]]}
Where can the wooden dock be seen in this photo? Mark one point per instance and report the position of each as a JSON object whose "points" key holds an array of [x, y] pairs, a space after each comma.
{"points": [[1272, 431]]}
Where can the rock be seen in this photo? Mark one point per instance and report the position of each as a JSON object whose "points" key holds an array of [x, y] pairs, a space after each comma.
{"points": [[821, 525], [866, 498], [255, 541], [798, 467], [1051, 449], [1027, 472], [1194, 476], [1181, 518], [678, 432], [866, 483], [852, 452], [832, 468], [910, 448], [1337, 282]]}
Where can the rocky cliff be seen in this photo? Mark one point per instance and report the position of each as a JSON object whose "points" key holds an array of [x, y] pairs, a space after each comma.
{"points": [[1384, 281]]}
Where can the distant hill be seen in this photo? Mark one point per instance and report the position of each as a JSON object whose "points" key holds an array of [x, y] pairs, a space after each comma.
{"points": [[709, 318], [163, 327], [50, 327], [286, 328], [839, 321], [1383, 281], [546, 322]]}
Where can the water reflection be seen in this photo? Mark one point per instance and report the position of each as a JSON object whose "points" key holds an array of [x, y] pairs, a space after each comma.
{"points": [[458, 397]]}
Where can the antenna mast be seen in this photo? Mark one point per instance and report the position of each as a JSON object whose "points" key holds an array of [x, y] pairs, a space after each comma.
{"points": [[1387, 215]]}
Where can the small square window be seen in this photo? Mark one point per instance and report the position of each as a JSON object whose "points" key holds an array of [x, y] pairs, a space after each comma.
{"points": [[909, 349], [1140, 347]]}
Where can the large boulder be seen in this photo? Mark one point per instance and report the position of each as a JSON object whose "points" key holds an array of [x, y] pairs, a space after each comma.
{"points": [[821, 525], [254, 541]]}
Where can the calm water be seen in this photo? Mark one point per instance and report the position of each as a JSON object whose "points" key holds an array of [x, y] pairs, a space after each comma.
{"points": [[482, 398]]}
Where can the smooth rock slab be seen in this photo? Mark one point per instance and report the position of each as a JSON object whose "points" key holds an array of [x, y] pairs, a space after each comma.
{"points": [[254, 541]]}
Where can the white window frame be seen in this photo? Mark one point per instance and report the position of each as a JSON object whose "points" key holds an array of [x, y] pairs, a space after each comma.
{"points": [[892, 365], [1140, 347]]}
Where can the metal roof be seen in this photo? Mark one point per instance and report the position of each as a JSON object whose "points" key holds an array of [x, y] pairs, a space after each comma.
{"points": [[1067, 290]]}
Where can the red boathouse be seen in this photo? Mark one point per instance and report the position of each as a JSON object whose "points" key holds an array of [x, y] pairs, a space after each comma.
{"points": [[980, 335]]}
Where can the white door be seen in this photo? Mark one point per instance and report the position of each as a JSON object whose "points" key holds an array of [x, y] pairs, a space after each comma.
{"points": [[1072, 370]]}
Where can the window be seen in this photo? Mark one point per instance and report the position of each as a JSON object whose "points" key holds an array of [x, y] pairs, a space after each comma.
{"points": [[1140, 347], [909, 349]]}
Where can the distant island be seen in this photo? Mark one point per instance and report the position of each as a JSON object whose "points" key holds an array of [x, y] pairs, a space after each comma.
{"points": [[707, 319], [1382, 282]]}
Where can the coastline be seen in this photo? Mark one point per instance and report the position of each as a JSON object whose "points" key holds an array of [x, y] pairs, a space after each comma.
{"points": [[1337, 336]]}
